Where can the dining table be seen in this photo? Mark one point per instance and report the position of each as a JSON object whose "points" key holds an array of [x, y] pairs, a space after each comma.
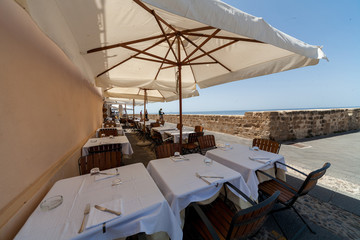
{"points": [[162, 130], [192, 178], [123, 140], [130, 191], [119, 130], [175, 134], [246, 160]]}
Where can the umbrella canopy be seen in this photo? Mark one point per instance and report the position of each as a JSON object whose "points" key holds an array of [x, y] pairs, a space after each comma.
{"points": [[152, 95], [133, 43], [169, 45]]}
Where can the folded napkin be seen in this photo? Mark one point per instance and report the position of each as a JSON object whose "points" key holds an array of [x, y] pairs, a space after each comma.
{"points": [[97, 217], [261, 159], [226, 148], [178, 158], [100, 176], [209, 176]]}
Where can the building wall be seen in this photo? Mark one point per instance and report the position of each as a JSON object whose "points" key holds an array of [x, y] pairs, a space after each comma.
{"points": [[278, 125], [47, 112]]}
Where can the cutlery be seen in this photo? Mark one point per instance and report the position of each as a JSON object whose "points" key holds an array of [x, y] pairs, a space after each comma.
{"points": [[86, 212], [198, 175], [104, 209], [211, 177]]}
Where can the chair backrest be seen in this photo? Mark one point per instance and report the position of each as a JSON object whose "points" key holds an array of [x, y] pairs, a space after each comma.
{"points": [[105, 148], [199, 129], [247, 222], [103, 160], [162, 122], [206, 142], [166, 150], [192, 137], [266, 145], [312, 178], [178, 126], [108, 132]]}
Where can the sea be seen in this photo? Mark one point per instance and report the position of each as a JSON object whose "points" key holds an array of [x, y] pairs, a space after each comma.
{"points": [[242, 112]]}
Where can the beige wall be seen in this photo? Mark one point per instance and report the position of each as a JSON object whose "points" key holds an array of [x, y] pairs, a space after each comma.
{"points": [[47, 112]]}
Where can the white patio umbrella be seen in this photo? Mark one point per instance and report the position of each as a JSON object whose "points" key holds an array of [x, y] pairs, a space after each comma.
{"points": [[152, 95], [165, 45]]}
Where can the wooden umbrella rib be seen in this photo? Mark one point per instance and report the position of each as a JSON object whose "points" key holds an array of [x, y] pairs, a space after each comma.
{"points": [[211, 51], [203, 43], [162, 30], [128, 43], [199, 63], [206, 53], [150, 11], [192, 70], [188, 31], [149, 54], [155, 44], [223, 37], [150, 60], [160, 68]]}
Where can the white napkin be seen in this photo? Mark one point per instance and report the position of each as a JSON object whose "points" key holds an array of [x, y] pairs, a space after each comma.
{"points": [[212, 174], [99, 176], [97, 217], [178, 158], [261, 159]]}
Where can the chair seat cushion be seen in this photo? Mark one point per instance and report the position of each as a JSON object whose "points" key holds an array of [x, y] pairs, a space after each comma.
{"points": [[271, 186]]}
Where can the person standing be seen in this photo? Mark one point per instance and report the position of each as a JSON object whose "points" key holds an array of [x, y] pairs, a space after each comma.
{"points": [[146, 115], [161, 115], [141, 114]]}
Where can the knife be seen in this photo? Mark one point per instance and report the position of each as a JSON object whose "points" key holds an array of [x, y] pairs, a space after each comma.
{"points": [[107, 210], [86, 212]]}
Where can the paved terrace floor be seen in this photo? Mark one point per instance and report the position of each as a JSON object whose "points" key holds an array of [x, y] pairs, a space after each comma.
{"points": [[332, 208]]}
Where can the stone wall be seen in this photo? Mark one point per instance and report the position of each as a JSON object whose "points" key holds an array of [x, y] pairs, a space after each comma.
{"points": [[277, 125]]}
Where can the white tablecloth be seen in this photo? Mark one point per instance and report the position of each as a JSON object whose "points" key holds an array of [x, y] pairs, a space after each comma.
{"points": [[144, 209], [117, 124], [120, 131], [162, 130], [237, 158], [125, 144], [179, 184], [176, 135]]}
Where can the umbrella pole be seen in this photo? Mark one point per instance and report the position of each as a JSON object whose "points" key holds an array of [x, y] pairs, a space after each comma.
{"points": [[133, 109], [144, 142], [180, 94]]}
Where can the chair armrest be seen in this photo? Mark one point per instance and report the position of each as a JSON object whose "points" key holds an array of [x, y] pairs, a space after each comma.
{"points": [[277, 162], [278, 181], [206, 221], [241, 193]]}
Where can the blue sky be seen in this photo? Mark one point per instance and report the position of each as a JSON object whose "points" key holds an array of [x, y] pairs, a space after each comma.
{"points": [[335, 25]]}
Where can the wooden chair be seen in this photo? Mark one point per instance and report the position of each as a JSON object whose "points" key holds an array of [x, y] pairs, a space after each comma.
{"points": [[166, 150], [199, 129], [192, 145], [266, 145], [102, 160], [288, 193], [162, 122], [218, 221], [178, 126], [105, 148], [206, 142], [108, 132]]}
